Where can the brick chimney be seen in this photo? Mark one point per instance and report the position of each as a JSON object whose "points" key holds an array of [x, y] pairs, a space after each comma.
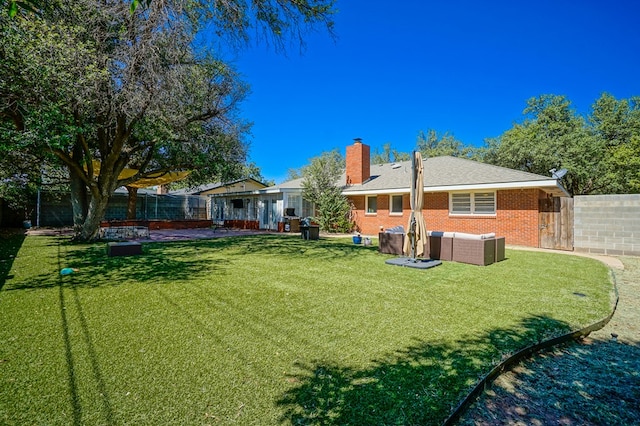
{"points": [[358, 162]]}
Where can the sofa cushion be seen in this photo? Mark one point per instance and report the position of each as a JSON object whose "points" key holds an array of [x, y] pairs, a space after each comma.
{"points": [[395, 230], [467, 236]]}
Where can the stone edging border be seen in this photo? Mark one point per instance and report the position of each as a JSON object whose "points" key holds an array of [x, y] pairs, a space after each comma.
{"points": [[514, 359]]}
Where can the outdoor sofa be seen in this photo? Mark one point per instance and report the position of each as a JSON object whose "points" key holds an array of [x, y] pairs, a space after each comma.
{"points": [[391, 241], [475, 249]]}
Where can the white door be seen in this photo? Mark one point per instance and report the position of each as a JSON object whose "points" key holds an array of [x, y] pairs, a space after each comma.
{"points": [[269, 213]]}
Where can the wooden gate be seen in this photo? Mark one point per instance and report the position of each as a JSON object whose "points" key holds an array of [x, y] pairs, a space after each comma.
{"points": [[556, 223]]}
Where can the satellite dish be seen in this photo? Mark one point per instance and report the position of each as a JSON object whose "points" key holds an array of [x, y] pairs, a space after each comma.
{"points": [[558, 174]]}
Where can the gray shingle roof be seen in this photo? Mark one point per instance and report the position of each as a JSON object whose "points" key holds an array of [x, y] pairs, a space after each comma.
{"points": [[443, 174], [290, 184], [452, 173]]}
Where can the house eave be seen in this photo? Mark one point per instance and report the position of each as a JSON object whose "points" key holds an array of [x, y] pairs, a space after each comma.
{"points": [[551, 186]]}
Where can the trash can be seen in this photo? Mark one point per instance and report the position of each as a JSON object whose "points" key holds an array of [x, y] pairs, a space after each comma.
{"points": [[310, 232], [314, 232]]}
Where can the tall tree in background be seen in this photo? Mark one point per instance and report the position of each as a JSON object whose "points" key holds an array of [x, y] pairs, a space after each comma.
{"points": [[252, 171], [320, 186], [388, 155], [616, 123], [552, 135], [99, 89], [430, 144], [599, 153]]}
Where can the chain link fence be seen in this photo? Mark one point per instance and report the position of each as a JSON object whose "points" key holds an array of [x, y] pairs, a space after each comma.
{"points": [[53, 209]]}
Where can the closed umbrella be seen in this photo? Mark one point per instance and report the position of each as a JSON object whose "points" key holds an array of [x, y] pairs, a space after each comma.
{"points": [[417, 235]]}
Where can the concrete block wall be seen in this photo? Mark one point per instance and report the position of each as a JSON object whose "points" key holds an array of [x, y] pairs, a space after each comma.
{"points": [[607, 224]]}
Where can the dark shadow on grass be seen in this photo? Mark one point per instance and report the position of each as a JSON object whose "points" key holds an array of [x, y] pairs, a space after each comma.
{"points": [[420, 385], [76, 407], [101, 388], [182, 260], [10, 242], [159, 262]]}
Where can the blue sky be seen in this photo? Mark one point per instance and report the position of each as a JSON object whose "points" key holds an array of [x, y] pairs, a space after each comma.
{"points": [[466, 67]]}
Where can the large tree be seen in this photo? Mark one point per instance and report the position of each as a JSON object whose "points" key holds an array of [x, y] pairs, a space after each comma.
{"points": [[616, 124], [552, 136], [600, 153], [102, 89]]}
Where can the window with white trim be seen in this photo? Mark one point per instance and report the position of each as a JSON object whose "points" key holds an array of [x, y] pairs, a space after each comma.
{"points": [[395, 204], [372, 204], [472, 203]]}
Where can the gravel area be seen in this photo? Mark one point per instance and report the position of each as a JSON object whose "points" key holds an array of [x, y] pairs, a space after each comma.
{"points": [[594, 381]]}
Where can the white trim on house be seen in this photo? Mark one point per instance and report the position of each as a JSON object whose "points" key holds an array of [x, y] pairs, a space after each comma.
{"points": [[366, 205], [550, 185], [395, 191], [395, 212]]}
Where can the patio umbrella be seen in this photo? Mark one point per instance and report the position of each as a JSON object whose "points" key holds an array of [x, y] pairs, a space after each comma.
{"points": [[417, 234]]}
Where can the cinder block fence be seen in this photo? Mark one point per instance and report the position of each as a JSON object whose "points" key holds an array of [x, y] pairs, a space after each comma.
{"points": [[607, 224]]}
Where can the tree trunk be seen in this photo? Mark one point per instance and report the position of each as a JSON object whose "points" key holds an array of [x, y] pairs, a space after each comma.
{"points": [[91, 228], [79, 202], [132, 202], [100, 193]]}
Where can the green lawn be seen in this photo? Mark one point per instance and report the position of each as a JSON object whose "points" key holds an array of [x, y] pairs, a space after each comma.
{"points": [[267, 330]]}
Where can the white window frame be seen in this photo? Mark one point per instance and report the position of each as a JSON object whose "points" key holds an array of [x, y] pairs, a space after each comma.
{"points": [[394, 212], [366, 207], [473, 205]]}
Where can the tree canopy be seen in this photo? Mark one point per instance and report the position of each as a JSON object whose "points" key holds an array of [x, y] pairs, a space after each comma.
{"points": [[388, 154], [600, 152], [87, 83], [432, 144]]}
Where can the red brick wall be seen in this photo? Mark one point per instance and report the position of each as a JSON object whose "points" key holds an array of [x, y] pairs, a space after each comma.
{"points": [[516, 218], [358, 163], [370, 224]]}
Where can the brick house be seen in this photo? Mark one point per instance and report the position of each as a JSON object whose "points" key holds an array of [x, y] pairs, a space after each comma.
{"points": [[460, 195]]}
